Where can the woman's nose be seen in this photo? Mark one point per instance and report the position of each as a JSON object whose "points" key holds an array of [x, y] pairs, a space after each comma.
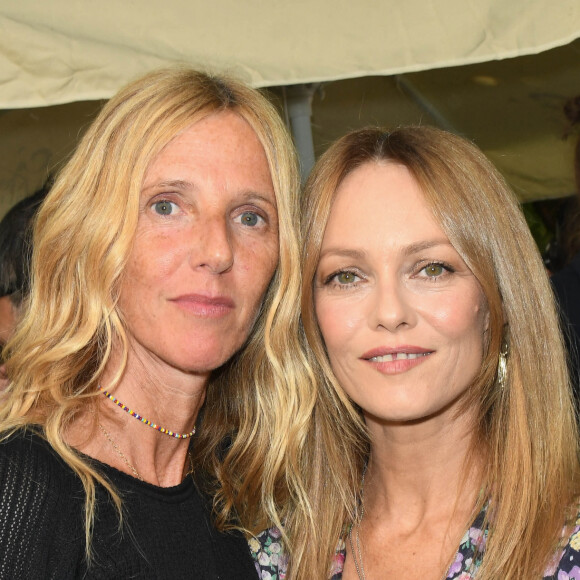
{"points": [[392, 308], [212, 246]]}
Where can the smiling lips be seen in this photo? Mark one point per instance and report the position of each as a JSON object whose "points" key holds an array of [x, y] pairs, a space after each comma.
{"points": [[397, 356], [205, 306], [396, 360]]}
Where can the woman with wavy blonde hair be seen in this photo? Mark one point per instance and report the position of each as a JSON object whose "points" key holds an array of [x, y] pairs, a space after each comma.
{"points": [[430, 317], [163, 277]]}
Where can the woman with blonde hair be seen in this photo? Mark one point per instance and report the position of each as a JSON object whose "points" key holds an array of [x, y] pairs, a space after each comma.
{"points": [[163, 278], [443, 443]]}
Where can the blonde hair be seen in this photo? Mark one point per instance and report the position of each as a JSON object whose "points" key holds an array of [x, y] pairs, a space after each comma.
{"points": [[82, 239], [526, 430]]}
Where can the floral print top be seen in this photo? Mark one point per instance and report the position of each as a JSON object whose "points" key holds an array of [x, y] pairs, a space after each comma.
{"points": [[272, 562], [269, 556]]}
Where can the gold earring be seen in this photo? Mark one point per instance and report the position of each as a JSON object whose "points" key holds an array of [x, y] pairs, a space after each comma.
{"points": [[502, 364]]}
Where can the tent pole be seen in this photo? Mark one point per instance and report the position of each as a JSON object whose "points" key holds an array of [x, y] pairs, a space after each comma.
{"points": [[298, 102], [413, 92]]}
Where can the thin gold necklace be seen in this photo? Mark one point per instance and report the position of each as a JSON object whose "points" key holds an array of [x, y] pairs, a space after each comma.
{"points": [[119, 452], [128, 464], [357, 555]]}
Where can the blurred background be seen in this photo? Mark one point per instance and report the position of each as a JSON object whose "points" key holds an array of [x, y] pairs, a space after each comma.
{"points": [[496, 72]]}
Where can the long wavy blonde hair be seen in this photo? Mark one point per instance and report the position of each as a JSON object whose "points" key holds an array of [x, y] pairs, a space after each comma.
{"points": [[526, 430], [82, 239]]}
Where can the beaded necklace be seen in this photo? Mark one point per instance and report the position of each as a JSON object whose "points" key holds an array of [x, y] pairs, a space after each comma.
{"points": [[146, 421]]}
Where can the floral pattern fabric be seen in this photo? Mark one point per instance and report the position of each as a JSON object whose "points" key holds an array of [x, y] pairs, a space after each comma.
{"points": [[272, 562], [269, 557]]}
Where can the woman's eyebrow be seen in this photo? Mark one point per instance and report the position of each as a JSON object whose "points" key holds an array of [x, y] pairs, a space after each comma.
{"points": [[343, 252], [417, 247], [257, 196], [414, 248], [173, 183]]}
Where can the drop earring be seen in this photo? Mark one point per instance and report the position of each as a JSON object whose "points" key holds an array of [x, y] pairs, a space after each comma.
{"points": [[502, 363]]}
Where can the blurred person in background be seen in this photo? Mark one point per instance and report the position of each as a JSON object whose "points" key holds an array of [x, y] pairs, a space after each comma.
{"points": [[15, 254], [566, 281]]}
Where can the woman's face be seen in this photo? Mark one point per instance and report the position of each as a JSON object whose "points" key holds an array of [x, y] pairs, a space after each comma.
{"points": [[205, 249], [402, 316]]}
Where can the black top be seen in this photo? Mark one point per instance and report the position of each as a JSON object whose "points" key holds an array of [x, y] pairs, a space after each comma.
{"points": [[166, 532]]}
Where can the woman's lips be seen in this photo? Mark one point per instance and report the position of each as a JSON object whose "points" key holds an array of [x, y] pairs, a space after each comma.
{"points": [[396, 360], [204, 306], [397, 356]]}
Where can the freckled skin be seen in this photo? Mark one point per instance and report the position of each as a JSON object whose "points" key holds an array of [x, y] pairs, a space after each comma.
{"points": [[382, 231], [208, 227]]}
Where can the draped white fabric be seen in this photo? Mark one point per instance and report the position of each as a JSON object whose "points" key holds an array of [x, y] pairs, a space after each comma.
{"points": [[58, 51]]}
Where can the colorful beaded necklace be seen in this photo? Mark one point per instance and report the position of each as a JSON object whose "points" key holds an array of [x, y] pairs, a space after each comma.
{"points": [[146, 421]]}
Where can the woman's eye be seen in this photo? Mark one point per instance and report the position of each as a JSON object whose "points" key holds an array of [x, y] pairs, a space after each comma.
{"points": [[342, 279], [346, 277], [249, 218], [164, 207], [434, 270]]}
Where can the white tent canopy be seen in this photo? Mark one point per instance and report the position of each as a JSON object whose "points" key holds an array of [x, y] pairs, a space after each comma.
{"points": [[496, 71], [60, 51]]}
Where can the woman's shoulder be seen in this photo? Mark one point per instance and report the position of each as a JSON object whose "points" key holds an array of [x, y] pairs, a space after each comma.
{"points": [[270, 558], [566, 562], [26, 454], [32, 474], [40, 505], [24, 450]]}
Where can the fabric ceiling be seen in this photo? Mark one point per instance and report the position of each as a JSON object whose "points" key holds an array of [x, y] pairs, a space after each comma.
{"points": [[60, 51]]}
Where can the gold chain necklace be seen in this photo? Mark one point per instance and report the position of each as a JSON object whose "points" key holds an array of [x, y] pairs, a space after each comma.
{"points": [[127, 463], [119, 452], [357, 555]]}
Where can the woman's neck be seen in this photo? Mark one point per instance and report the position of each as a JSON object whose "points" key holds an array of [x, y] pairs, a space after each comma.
{"points": [[421, 468], [165, 397], [420, 490]]}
